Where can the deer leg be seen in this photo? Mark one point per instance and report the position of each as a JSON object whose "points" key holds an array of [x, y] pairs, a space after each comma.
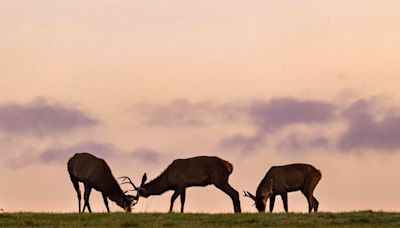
{"points": [[231, 192], [309, 190], [309, 198], [272, 202], [78, 192], [316, 203], [285, 203], [308, 193], [173, 198], [183, 197], [86, 195], [313, 203], [310, 204], [106, 202]]}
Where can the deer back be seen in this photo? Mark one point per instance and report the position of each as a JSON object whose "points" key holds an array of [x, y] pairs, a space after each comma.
{"points": [[196, 171], [95, 172], [289, 178]]}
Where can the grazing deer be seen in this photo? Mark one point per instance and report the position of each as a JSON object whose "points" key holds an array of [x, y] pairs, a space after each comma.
{"points": [[184, 173], [280, 180], [94, 173]]}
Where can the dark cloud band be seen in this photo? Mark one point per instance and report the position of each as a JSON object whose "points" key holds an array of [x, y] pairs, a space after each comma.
{"points": [[362, 128], [40, 118]]}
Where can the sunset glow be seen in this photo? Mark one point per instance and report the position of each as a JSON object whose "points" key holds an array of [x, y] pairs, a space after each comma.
{"points": [[260, 83]]}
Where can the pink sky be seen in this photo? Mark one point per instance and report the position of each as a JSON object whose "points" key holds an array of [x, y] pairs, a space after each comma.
{"points": [[141, 83]]}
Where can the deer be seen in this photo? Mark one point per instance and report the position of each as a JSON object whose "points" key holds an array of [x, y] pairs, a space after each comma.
{"points": [[190, 172], [280, 180], [94, 173]]}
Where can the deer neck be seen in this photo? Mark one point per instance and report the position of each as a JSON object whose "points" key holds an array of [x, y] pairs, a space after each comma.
{"points": [[157, 186], [114, 193], [264, 184]]}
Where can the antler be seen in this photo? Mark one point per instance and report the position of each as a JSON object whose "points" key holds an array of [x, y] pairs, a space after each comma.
{"points": [[135, 199], [128, 182], [248, 194]]}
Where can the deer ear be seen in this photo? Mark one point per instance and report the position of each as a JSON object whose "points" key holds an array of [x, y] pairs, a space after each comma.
{"points": [[144, 179]]}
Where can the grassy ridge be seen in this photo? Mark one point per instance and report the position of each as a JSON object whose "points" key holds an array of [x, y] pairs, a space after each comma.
{"points": [[347, 219]]}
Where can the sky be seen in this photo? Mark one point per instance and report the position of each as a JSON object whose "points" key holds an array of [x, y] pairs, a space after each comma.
{"points": [[141, 83]]}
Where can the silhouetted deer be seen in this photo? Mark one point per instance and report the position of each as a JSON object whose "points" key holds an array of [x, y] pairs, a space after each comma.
{"points": [[94, 173], [184, 173], [280, 180]]}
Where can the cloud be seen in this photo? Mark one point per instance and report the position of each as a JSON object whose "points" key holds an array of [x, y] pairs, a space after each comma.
{"points": [[366, 131], [367, 125], [147, 155], [266, 116], [181, 112], [40, 118], [177, 113], [21, 161], [60, 154], [273, 115], [281, 112], [242, 143], [63, 153], [296, 143]]}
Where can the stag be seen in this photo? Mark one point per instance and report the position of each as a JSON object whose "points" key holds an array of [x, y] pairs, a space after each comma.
{"points": [[190, 172], [280, 180], [94, 173]]}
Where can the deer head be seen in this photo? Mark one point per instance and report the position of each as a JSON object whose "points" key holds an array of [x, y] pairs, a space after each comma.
{"points": [[141, 190], [260, 200], [129, 200]]}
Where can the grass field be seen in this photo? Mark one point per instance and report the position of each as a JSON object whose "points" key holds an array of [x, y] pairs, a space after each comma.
{"points": [[346, 219]]}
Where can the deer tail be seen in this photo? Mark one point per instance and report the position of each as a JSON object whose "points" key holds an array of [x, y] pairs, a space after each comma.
{"points": [[318, 174], [228, 166]]}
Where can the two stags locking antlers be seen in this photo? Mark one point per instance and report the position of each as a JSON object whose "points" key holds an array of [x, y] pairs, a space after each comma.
{"points": [[129, 181]]}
